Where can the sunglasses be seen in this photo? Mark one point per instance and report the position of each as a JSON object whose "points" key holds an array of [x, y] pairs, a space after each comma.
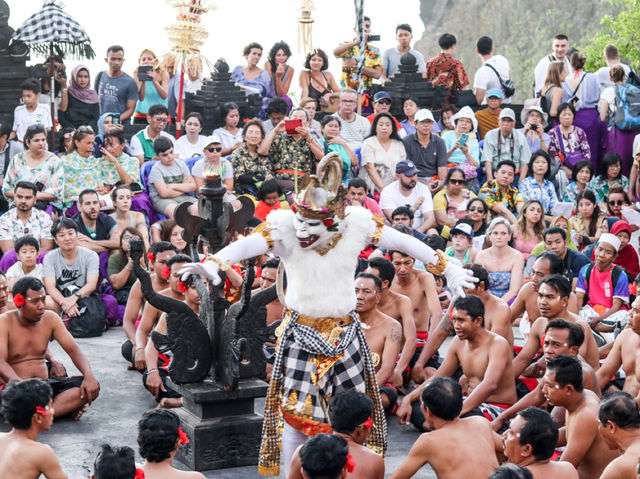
{"points": [[473, 209], [87, 129], [36, 127], [616, 202], [456, 182], [384, 102], [211, 149]]}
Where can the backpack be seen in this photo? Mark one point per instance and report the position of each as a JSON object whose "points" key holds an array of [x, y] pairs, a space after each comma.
{"points": [[508, 87], [633, 79], [92, 321], [627, 114], [615, 274]]}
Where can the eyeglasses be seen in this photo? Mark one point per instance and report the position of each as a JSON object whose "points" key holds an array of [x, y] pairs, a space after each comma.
{"points": [[473, 209], [86, 129], [347, 101], [160, 119], [456, 182], [616, 202], [384, 101], [211, 149]]}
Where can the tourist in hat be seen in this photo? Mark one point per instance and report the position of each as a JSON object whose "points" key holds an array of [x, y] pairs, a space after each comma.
{"points": [[535, 122], [461, 248], [462, 145], [488, 117], [213, 163], [506, 143]]}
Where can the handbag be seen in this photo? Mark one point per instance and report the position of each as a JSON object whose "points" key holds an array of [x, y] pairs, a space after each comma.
{"points": [[568, 159], [332, 105], [508, 87]]}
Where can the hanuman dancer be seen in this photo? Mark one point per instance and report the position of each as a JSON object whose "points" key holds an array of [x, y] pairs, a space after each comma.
{"points": [[321, 346]]}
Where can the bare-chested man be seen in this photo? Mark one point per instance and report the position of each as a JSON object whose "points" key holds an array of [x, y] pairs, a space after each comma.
{"points": [[624, 353], [527, 299], [268, 278], [158, 256], [455, 447], [350, 417], [485, 358], [399, 308], [25, 333], [585, 449], [497, 317], [27, 405], [151, 315], [619, 425], [560, 337], [531, 441], [553, 297], [383, 333]]}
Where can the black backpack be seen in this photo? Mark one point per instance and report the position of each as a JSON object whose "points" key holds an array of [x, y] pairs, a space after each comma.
{"points": [[92, 321], [508, 87], [615, 274]]}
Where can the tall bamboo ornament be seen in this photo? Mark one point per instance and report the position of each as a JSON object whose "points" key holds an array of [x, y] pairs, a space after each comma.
{"points": [[186, 37], [359, 7], [305, 30]]}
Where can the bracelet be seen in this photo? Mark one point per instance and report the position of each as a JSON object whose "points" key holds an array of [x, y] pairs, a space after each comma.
{"points": [[263, 229], [64, 90], [149, 371]]}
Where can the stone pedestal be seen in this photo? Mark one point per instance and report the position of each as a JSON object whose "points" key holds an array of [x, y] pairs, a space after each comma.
{"points": [[223, 429]]}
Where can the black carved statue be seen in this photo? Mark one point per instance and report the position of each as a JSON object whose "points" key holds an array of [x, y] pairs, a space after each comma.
{"points": [[186, 337]]}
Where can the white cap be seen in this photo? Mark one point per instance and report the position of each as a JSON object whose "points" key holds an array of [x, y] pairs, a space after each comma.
{"points": [[212, 139], [507, 113], [610, 239], [422, 115]]}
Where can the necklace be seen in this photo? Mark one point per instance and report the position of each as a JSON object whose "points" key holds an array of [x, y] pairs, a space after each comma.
{"points": [[330, 246]]}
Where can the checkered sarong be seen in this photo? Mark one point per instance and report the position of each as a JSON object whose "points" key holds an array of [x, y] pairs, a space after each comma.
{"points": [[307, 372]]}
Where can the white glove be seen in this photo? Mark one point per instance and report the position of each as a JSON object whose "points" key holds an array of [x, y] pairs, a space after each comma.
{"points": [[208, 269], [459, 278]]}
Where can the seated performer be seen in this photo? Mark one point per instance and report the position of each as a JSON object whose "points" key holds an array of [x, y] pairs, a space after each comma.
{"points": [[350, 415], [325, 457], [319, 242], [485, 358], [530, 442], [28, 407], [25, 333], [383, 334], [449, 439]]}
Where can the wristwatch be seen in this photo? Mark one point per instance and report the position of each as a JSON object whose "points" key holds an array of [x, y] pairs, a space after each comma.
{"points": [[78, 294]]}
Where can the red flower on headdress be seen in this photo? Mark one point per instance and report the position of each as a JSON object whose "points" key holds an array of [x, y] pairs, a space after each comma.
{"points": [[40, 410], [139, 474], [151, 257], [328, 222], [165, 273], [368, 423], [182, 286], [351, 464], [293, 208], [18, 300], [182, 436]]}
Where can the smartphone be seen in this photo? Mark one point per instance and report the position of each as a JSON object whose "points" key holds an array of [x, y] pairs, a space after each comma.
{"points": [[143, 72], [463, 139], [291, 125], [115, 118]]}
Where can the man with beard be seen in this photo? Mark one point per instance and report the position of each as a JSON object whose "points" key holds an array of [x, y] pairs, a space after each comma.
{"points": [[24, 337], [95, 230], [584, 448], [619, 426], [406, 190], [553, 297], [531, 441]]}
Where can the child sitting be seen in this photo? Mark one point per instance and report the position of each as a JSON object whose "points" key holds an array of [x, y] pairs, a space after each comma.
{"points": [[27, 249], [461, 249], [170, 180], [27, 406], [114, 463], [269, 195]]}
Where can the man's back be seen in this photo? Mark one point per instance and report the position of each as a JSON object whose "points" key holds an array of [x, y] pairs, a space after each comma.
{"points": [[553, 470], [487, 79], [22, 458], [446, 70]]}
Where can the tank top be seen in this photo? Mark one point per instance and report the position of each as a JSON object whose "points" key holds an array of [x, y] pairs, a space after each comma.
{"points": [[317, 94], [151, 97]]}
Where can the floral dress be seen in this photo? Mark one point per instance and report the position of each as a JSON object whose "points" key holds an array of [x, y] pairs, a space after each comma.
{"points": [[49, 174], [601, 186], [80, 173], [545, 194], [575, 141], [130, 164]]}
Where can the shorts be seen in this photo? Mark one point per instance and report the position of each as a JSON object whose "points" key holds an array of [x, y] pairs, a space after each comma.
{"points": [[160, 204], [60, 385]]}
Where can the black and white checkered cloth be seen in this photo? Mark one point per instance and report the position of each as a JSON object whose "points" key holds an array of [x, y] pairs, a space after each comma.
{"points": [[53, 25]]}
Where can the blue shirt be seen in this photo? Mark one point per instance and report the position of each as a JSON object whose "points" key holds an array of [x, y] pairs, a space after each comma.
{"points": [[545, 194]]}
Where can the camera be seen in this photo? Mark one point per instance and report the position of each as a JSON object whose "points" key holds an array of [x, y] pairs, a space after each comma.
{"points": [[534, 127]]}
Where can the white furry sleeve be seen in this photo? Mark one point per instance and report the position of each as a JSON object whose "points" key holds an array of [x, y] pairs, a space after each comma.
{"points": [[394, 240]]}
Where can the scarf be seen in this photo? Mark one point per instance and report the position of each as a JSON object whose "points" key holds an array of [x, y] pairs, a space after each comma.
{"points": [[627, 257], [86, 94]]}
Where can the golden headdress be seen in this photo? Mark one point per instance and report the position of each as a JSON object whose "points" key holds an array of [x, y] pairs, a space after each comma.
{"points": [[322, 195]]}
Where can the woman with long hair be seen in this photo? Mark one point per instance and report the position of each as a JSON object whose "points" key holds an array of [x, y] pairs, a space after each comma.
{"points": [[537, 186], [380, 153], [124, 217], [551, 92], [120, 267], [38, 166], [281, 73], [504, 264], [478, 215], [150, 92], [586, 223], [318, 83], [230, 134], [191, 144], [581, 176], [610, 176], [528, 231]]}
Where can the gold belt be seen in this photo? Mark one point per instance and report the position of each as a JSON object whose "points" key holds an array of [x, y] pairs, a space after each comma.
{"points": [[329, 328]]}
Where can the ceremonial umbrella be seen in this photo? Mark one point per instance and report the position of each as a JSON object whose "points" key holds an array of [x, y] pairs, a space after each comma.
{"points": [[52, 28]]}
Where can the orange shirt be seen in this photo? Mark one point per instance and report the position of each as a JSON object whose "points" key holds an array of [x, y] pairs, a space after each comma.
{"points": [[486, 121]]}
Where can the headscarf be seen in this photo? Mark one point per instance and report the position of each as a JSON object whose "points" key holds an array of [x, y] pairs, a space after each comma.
{"points": [[100, 135], [540, 247], [627, 257], [86, 94], [612, 220]]}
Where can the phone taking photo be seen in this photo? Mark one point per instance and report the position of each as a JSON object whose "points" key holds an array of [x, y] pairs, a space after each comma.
{"points": [[463, 139], [291, 125]]}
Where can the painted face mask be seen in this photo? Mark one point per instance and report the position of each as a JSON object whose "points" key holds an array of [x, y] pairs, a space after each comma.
{"points": [[312, 232]]}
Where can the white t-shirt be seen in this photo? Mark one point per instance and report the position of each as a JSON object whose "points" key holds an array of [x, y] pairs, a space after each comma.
{"points": [[609, 94], [22, 118], [391, 198], [136, 147], [225, 171], [540, 72], [228, 139], [487, 79], [16, 271], [185, 149], [354, 132]]}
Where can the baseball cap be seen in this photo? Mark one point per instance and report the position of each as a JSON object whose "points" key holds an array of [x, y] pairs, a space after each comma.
{"points": [[507, 113], [463, 228], [380, 95], [422, 115], [212, 139], [406, 167], [495, 93]]}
